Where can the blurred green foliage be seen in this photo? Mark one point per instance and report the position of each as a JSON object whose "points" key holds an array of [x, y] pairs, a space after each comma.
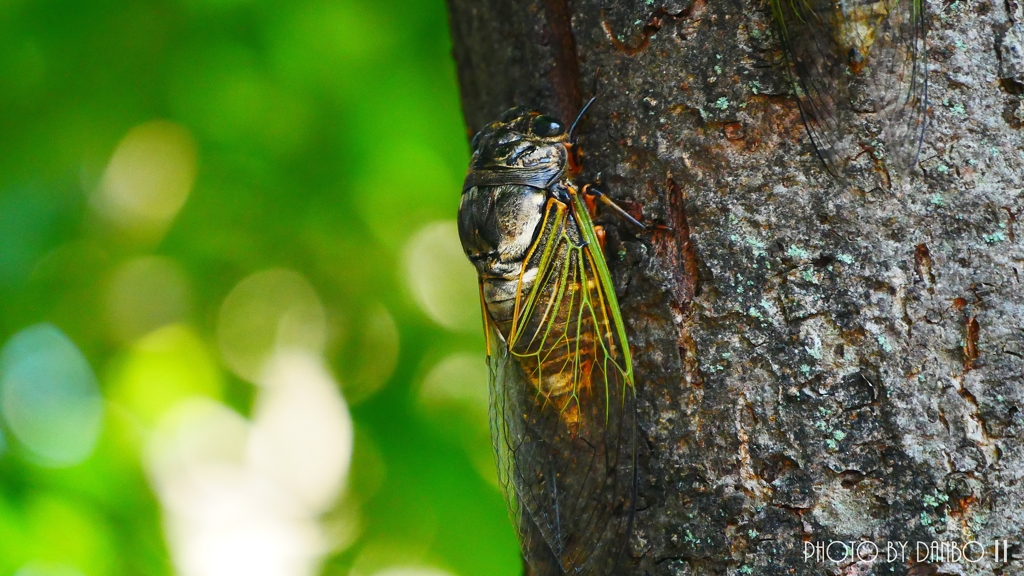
{"points": [[326, 134]]}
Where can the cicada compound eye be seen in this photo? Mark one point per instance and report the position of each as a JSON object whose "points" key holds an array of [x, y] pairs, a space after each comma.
{"points": [[546, 127]]}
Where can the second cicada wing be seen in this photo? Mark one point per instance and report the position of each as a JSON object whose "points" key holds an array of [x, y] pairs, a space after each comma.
{"points": [[819, 70], [563, 404], [853, 58], [899, 73]]}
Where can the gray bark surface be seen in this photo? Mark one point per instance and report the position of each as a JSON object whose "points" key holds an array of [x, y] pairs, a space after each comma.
{"points": [[815, 361]]}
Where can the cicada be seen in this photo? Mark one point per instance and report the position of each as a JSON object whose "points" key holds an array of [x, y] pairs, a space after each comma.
{"points": [[562, 397], [856, 57]]}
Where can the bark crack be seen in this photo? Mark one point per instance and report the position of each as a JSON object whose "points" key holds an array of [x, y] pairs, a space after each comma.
{"points": [[565, 74]]}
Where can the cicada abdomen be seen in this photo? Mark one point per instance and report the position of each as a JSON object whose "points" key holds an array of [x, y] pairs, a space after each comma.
{"points": [[562, 397], [859, 63]]}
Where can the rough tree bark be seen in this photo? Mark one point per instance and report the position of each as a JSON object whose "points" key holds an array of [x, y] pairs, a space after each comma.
{"points": [[815, 362]]}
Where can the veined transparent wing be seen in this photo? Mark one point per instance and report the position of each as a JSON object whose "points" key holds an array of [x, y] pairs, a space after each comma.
{"points": [[563, 412], [851, 57]]}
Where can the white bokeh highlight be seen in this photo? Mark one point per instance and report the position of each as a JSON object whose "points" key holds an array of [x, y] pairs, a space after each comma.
{"points": [[245, 497], [302, 433]]}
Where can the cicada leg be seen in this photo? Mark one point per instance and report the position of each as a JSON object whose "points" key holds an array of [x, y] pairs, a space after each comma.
{"points": [[600, 233], [592, 195], [485, 313]]}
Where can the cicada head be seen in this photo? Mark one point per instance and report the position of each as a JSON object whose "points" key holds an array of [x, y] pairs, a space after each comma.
{"points": [[521, 139]]}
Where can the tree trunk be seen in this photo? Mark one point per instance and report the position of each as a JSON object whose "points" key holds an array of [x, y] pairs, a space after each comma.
{"points": [[815, 361]]}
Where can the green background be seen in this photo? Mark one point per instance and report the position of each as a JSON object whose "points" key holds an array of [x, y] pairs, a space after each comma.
{"points": [[327, 136]]}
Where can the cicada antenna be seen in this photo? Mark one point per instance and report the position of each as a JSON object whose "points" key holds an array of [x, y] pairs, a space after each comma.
{"points": [[572, 129]]}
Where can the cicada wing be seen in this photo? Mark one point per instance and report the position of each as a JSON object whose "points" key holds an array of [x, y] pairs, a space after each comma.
{"points": [[898, 70], [857, 57], [563, 407], [508, 434], [819, 73]]}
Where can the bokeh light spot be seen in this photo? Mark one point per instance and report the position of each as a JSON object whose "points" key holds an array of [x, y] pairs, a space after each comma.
{"points": [[163, 368], [457, 381], [302, 434], [455, 394], [149, 177], [373, 354], [222, 517], [405, 186], [48, 569], [412, 571], [49, 395], [145, 294], [199, 437], [442, 279], [247, 498], [64, 533], [266, 312]]}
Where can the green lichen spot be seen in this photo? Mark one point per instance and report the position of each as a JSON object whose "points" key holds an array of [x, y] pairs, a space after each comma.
{"points": [[925, 520], [936, 200], [814, 351], [831, 444], [798, 252], [722, 103], [994, 237], [805, 369], [839, 435], [755, 313], [884, 343], [845, 258]]}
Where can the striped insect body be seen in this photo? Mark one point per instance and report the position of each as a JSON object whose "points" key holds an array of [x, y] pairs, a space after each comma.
{"points": [[563, 413]]}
